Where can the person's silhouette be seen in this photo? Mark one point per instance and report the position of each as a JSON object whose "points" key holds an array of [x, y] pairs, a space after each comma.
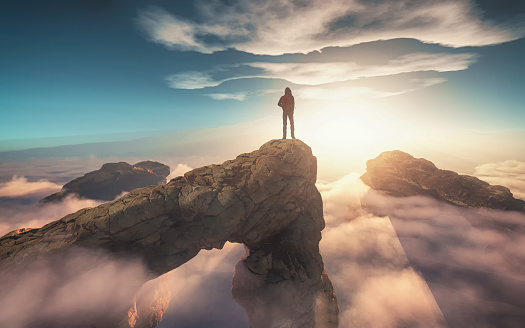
{"points": [[287, 103]]}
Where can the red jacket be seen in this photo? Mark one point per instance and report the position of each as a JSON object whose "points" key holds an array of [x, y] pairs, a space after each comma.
{"points": [[287, 102]]}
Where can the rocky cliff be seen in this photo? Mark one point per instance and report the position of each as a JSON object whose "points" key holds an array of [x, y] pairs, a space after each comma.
{"points": [[266, 200], [112, 179], [399, 174]]}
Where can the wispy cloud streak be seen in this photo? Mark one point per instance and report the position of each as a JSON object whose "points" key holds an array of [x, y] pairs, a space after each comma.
{"points": [[239, 96], [330, 72]]}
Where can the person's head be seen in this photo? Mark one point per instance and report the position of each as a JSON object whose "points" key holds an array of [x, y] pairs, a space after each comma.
{"points": [[287, 91]]}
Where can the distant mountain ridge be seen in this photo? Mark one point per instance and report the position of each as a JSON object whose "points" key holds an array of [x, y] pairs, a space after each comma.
{"points": [[399, 174], [224, 141], [112, 179]]}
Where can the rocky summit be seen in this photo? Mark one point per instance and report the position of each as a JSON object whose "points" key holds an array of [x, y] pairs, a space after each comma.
{"points": [[112, 179], [266, 200], [399, 174]]}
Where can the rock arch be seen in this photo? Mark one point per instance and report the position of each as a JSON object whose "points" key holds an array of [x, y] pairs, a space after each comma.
{"points": [[266, 200]]}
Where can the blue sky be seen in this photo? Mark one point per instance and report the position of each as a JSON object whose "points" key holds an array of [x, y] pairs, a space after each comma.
{"points": [[441, 79], [87, 71]]}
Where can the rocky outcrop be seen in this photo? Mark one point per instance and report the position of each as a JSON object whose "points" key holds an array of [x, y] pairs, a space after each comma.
{"points": [[399, 174], [266, 200], [112, 179]]}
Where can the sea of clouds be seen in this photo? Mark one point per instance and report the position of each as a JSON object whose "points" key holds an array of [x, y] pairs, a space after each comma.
{"points": [[394, 262]]}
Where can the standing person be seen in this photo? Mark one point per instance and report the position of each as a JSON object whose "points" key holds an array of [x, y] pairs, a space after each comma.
{"points": [[287, 103]]}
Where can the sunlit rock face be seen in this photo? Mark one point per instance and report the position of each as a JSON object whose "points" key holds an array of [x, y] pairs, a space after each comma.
{"points": [[265, 199], [396, 173], [112, 179]]}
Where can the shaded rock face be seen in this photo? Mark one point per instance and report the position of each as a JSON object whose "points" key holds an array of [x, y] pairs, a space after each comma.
{"points": [[266, 200], [399, 174], [112, 179]]}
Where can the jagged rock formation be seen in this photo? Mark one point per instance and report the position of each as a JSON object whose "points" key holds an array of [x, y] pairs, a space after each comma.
{"points": [[399, 174], [112, 179], [266, 200]]}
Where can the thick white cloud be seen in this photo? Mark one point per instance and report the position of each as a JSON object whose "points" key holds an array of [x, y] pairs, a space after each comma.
{"points": [[178, 171], [80, 285], [19, 186], [342, 198], [510, 174], [475, 256], [16, 216], [374, 281], [201, 291], [281, 26], [20, 211], [175, 32], [276, 27], [372, 277]]}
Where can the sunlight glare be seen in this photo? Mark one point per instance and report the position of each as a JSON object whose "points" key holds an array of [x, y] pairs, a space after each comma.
{"points": [[355, 129], [346, 134]]}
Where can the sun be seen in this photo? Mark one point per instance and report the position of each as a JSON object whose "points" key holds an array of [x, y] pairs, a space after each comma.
{"points": [[343, 137], [354, 129]]}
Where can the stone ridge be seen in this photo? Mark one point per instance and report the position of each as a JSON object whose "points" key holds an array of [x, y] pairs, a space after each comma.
{"points": [[112, 179], [399, 174], [265, 199]]}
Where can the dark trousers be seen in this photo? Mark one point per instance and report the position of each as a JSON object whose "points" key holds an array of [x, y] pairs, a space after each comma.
{"points": [[288, 113]]}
